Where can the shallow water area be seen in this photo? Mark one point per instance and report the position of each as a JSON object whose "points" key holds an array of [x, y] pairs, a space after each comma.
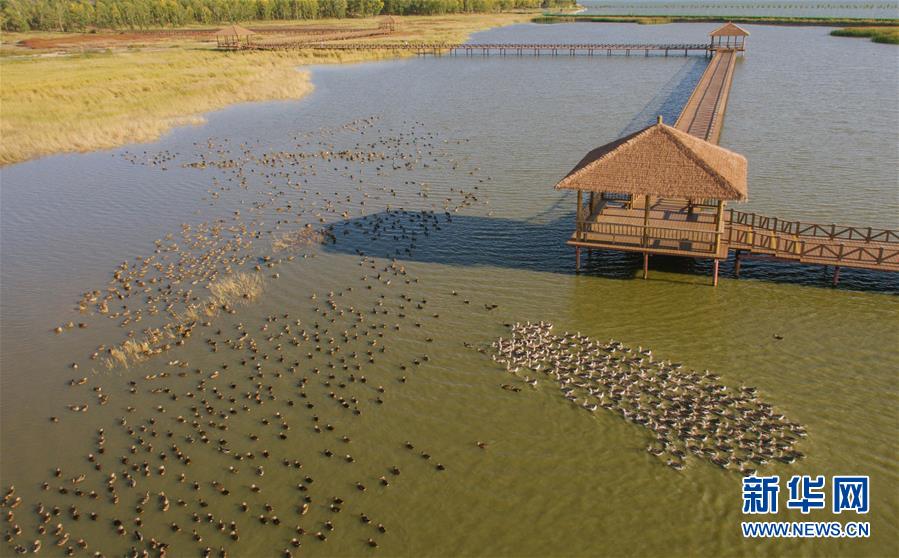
{"points": [[458, 191]]}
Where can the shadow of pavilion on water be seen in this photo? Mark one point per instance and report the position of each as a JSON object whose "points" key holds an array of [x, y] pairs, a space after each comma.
{"points": [[539, 245]]}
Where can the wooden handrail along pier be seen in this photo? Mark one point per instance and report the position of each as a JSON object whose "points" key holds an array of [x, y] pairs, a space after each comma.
{"points": [[663, 190]]}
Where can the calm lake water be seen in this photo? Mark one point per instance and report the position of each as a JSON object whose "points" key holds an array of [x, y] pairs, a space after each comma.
{"points": [[803, 8], [479, 142]]}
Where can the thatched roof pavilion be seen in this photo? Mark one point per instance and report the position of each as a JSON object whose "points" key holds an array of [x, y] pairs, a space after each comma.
{"points": [[661, 161], [233, 36], [729, 36], [660, 191], [729, 30]]}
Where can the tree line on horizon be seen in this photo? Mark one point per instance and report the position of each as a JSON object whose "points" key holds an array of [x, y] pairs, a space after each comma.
{"points": [[82, 15]]}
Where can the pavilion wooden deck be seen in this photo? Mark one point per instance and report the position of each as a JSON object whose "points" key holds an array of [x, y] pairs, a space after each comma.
{"points": [[669, 228], [688, 227]]}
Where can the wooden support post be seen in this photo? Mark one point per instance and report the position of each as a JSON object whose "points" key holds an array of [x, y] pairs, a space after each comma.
{"points": [[592, 204], [715, 273], [737, 262], [719, 226], [578, 229], [646, 202], [836, 275], [577, 258], [645, 265]]}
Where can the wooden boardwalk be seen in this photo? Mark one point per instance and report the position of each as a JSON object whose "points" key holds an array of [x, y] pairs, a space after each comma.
{"points": [[501, 49], [703, 114]]}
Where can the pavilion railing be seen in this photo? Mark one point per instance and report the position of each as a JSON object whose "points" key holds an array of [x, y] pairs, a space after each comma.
{"points": [[650, 237]]}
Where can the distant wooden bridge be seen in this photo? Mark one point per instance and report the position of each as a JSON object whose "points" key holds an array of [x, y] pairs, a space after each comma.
{"points": [[679, 209], [500, 49]]}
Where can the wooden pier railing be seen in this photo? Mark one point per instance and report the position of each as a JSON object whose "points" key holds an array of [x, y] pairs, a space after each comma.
{"points": [[836, 245]]}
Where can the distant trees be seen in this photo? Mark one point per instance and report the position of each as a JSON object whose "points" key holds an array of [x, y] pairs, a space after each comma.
{"points": [[79, 15], [364, 8]]}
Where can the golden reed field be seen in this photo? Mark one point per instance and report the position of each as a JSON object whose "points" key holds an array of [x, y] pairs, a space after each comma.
{"points": [[80, 92]]}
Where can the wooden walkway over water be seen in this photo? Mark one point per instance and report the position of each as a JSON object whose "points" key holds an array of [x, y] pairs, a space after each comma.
{"points": [[704, 112], [703, 228], [500, 49]]}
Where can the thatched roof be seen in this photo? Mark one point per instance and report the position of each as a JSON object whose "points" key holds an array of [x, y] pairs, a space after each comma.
{"points": [[661, 161], [234, 31], [729, 30]]}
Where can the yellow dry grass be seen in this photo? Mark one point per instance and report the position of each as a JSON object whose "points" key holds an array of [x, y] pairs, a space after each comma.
{"points": [[298, 239], [237, 287], [129, 352], [224, 294], [77, 101], [91, 102]]}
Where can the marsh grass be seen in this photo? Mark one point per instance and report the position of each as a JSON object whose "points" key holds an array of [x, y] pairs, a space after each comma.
{"points": [[135, 92], [131, 351], [224, 295], [88, 102], [886, 35], [298, 239], [237, 287]]}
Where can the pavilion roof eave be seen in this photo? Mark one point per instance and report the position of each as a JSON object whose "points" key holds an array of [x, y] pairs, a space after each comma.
{"points": [[661, 161]]}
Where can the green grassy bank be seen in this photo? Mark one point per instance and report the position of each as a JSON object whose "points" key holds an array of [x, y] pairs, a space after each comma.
{"points": [[887, 35]]}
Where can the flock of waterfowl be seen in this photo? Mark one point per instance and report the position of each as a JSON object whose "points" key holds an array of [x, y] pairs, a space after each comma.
{"points": [[689, 413], [248, 436], [196, 455]]}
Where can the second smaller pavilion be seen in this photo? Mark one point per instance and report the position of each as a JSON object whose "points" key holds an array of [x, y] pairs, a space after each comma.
{"points": [[728, 36], [234, 37]]}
